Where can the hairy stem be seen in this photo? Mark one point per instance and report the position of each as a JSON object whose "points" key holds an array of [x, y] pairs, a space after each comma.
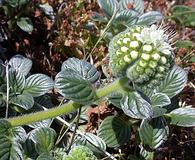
{"points": [[65, 108]]}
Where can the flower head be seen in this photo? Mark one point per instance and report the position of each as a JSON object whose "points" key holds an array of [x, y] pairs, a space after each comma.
{"points": [[141, 53]]}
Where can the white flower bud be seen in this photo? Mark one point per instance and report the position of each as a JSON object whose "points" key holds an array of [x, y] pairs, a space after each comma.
{"points": [[124, 49], [126, 40], [134, 54], [156, 56], [166, 52], [163, 60], [134, 44], [147, 48]]}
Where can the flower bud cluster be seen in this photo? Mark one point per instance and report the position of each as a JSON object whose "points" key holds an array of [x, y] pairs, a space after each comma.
{"points": [[80, 153], [139, 56]]}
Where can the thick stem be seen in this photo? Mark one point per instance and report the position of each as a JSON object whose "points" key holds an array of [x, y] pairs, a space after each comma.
{"points": [[65, 108]]}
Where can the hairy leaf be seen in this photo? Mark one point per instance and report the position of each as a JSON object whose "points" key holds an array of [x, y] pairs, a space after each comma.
{"points": [[108, 6], [114, 131], [10, 148], [183, 117], [72, 86], [21, 64], [97, 141], [153, 132], [160, 100], [174, 82], [38, 84], [48, 10], [15, 3], [150, 18], [43, 137], [115, 99], [137, 5], [83, 68], [25, 24], [16, 81], [24, 101], [127, 17], [135, 106]]}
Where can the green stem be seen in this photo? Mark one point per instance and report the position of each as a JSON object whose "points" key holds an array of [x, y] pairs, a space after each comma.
{"points": [[65, 108]]}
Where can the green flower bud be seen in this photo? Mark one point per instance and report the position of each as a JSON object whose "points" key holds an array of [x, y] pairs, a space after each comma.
{"points": [[152, 64], [143, 63], [139, 69], [119, 53], [149, 71], [145, 56], [127, 58], [80, 153], [161, 69]]}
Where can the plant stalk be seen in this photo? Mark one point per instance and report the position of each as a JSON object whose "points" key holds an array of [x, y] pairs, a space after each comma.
{"points": [[65, 108]]}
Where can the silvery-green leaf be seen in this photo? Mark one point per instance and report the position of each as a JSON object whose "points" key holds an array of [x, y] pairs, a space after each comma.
{"points": [[24, 101], [160, 100], [137, 5], [43, 123], [47, 9], [158, 112], [19, 134], [91, 138], [183, 117], [10, 148], [2, 71], [109, 7], [83, 68], [145, 155], [25, 24], [72, 86], [38, 84], [44, 138], [115, 99], [16, 81], [134, 105], [15, 3], [149, 18], [21, 64], [174, 82], [153, 132], [114, 131], [45, 156], [127, 17]]}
